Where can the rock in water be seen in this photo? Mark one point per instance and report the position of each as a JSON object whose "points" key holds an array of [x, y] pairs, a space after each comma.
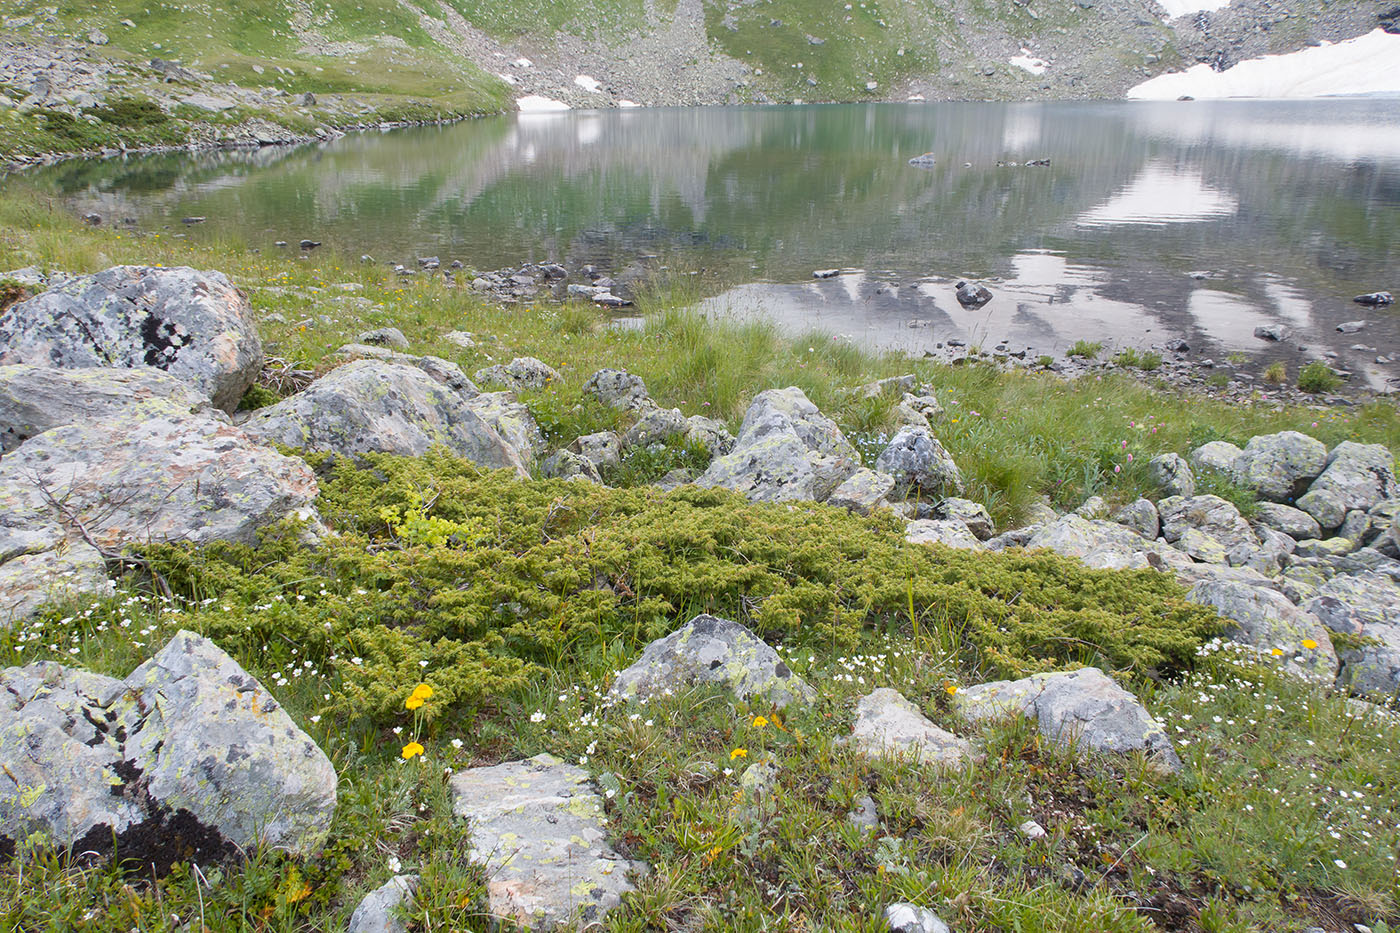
{"points": [[972, 295], [189, 734], [1084, 707], [1374, 298], [888, 724], [710, 650], [34, 399], [925, 160], [194, 325], [538, 828], [371, 406]]}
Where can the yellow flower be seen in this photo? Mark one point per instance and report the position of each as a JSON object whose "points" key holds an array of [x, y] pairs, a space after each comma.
{"points": [[1309, 644], [412, 749], [739, 753], [951, 688], [423, 691], [759, 722], [413, 702], [1276, 652]]}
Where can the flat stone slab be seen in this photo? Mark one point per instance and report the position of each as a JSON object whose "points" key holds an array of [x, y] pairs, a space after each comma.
{"points": [[888, 724], [711, 650], [1084, 707], [538, 828]]}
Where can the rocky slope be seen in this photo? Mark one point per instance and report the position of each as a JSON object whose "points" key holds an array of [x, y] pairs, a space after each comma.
{"points": [[72, 81]]}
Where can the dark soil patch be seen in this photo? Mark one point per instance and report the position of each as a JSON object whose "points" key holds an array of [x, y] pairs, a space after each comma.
{"points": [[152, 847]]}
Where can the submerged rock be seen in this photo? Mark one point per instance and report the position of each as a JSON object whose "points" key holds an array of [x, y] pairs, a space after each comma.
{"points": [[1085, 708], [194, 325], [538, 828], [710, 650]]}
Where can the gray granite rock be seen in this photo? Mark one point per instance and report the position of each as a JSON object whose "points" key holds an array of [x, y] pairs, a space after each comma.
{"points": [[1140, 515], [1266, 620], [1085, 708], [523, 372], [946, 531], [655, 426], [1295, 523], [1280, 466], [1172, 474], [889, 725], [1220, 456], [31, 581], [909, 918], [194, 325], [710, 650], [618, 388], [379, 911], [919, 462], [565, 464], [710, 434], [864, 492], [538, 829], [390, 337], [1210, 516], [374, 407], [603, 449], [972, 514], [1358, 476]]}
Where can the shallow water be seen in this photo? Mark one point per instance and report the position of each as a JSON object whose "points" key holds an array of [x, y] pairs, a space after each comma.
{"points": [[1283, 210]]}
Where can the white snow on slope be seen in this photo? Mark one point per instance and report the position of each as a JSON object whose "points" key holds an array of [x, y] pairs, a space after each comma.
{"points": [[1364, 65], [1177, 8], [588, 83], [1029, 62], [534, 103]]}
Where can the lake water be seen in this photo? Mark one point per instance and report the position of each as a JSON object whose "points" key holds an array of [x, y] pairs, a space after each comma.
{"points": [[1153, 221]]}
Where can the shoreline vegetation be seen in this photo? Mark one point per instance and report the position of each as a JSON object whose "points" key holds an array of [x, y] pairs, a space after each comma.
{"points": [[455, 617]]}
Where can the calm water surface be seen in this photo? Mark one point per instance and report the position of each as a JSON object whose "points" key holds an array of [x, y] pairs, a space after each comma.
{"points": [[1200, 220]]}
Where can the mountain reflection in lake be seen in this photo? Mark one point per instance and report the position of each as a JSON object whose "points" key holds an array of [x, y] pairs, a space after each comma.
{"points": [[1152, 221]]}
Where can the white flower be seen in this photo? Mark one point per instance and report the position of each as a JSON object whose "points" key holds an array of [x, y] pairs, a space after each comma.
{"points": [[456, 743], [537, 716], [1339, 863], [395, 865]]}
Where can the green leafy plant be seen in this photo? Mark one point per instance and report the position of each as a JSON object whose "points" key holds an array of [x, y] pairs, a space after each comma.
{"points": [[1088, 349], [1317, 377]]}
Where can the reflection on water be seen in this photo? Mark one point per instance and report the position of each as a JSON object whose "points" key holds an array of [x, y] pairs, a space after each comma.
{"points": [[1290, 207]]}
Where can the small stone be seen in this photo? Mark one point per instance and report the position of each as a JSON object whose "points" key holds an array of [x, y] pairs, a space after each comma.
{"points": [[972, 295], [378, 912], [1031, 830], [887, 724], [908, 918]]}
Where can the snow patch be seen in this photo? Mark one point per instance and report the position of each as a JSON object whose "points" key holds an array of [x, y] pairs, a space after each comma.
{"points": [[1177, 8], [916, 97], [588, 83], [534, 103], [1029, 62], [627, 104], [523, 63], [1364, 65]]}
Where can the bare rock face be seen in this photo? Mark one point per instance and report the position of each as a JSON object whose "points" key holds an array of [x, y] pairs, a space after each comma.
{"points": [[372, 406], [710, 650], [1084, 707], [194, 325], [888, 724], [1266, 620], [189, 751], [538, 828]]}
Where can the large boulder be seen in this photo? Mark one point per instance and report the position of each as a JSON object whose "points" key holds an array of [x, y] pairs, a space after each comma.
{"points": [[512, 420], [865, 491], [1266, 620], [188, 745], [370, 406], [1295, 523], [888, 725], [972, 514], [523, 372], [655, 426], [194, 325], [1105, 545], [538, 828], [1085, 708], [618, 388], [34, 399], [786, 450], [1172, 474], [1140, 515], [28, 582], [1280, 466], [710, 650], [949, 532], [1364, 605], [1358, 476], [1219, 456], [918, 461]]}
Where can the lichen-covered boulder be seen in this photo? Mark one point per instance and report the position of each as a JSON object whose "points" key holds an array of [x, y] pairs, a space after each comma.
{"points": [[194, 325], [918, 461], [34, 399], [523, 372], [864, 492], [972, 514], [1140, 515], [1216, 455], [1172, 474], [709, 434], [188, 733], [565, 464], [1085, 708], [786, 450], [949, 532], [1213, 518], [189, 479], [888, 724], [1280, 466], [210, 739], [601, 449], [1367, 606], [370, 406], [1266, 620], [617, 388], [1295, 523], [1105, 545], [512, 420], [655, 426], [710, 650], [538, 828], [1358, 476]]}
